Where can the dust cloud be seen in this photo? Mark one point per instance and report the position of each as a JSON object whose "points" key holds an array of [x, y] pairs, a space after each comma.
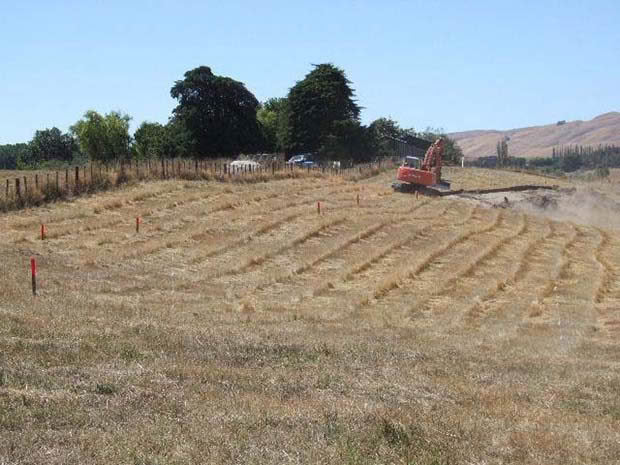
{"points": [[584, 205]]}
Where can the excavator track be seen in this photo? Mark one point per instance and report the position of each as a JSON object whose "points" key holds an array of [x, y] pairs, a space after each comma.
{"points": [[434, 190]]}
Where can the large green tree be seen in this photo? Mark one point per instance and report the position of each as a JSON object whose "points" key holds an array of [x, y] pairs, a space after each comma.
{"points": [[350, 140], [154, 140], [149, 139], [389, 135], [11, 155], [387, 127], [52, 144], [273, 118], [315, 103], [218, 112], [104, 138], [178, 140]]}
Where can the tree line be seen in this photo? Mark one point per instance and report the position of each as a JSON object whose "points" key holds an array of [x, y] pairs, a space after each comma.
{"points": [[564, 159], [571, 158], [217, 116]]}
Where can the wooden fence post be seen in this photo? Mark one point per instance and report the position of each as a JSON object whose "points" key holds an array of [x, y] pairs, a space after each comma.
{"points": [[77, 176], [36, 181], [57, 182], [18, 191], [7, 189], [66, 177], [25, 185]]}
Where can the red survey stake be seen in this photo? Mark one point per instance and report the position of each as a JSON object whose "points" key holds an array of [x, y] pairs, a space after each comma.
{"points": [[33, 271]]}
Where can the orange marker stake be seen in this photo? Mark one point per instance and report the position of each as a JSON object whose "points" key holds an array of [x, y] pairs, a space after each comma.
{"points": [[33, 270], [43, 232], [137, 224], [416, 194], [318, 207]]}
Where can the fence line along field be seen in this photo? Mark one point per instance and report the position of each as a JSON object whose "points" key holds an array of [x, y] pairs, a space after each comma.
{"points": [[241, 325], [22, 189]]}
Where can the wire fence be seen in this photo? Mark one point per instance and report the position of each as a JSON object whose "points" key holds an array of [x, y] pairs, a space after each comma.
{"points": [[41, 187]]}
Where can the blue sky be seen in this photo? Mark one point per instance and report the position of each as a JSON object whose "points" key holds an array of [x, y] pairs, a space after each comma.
{"points": [[449, 64]]}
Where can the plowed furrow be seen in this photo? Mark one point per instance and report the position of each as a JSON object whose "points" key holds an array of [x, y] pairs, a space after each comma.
{"points": [[339, 199], [482, 307], [301, 278], [565, 310], [607, 294], [409, 207], [410, 284], [445, 298], [124, 214], [185, 234], [176, 205], [606, 270], [219, 273], [379, 263], [507, 324], [259, 259], [78, 211], [505, 312], [538, 309]]}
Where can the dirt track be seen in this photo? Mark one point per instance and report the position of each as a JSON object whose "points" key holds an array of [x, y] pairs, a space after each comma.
{"points": [[481, 294]]}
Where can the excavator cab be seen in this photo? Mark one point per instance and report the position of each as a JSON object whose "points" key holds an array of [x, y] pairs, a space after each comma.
{"points": [[412, 162]]}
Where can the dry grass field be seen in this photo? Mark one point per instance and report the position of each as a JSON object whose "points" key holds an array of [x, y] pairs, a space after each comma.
{"points": [[240, 326]]}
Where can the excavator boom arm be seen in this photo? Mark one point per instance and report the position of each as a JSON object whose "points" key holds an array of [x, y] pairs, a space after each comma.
{"points": [[433, 157]]}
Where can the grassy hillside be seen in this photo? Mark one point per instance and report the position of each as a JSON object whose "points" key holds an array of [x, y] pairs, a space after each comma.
{"points": [[240, 326], [540, 140]]}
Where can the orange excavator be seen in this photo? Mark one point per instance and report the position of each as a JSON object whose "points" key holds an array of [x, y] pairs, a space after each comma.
{"points": [[425, 177]]}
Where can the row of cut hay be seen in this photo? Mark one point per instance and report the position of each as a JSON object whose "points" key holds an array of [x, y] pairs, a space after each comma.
{"points": [[476, 309], [394, 281], [311, 233], [560, 272], [470, 268], [343, 245], [605, 267], [372, 260], [307, 265]]}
